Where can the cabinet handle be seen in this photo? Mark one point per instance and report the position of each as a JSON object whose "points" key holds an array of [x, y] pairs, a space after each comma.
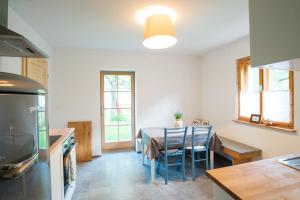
{"points": [[14, 170]]}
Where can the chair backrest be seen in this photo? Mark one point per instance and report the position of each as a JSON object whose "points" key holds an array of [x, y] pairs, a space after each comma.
{"points": [[204, 132], [175, 138]]}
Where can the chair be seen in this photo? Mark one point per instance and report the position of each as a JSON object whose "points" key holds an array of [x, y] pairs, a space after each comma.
{"points": [[174, 146], [199, 145]]}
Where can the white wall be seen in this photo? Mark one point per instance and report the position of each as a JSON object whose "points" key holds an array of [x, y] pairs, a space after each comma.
{"points": [[218, 88], [165, 84], [11, 65]]}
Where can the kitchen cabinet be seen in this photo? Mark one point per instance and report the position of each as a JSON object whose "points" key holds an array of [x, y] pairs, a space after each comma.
{"points": [[36, 69], [274, 32], [62, 151], [56, 169]]}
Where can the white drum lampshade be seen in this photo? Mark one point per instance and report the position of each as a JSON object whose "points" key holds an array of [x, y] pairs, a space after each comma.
{"points": [[159, 32]]}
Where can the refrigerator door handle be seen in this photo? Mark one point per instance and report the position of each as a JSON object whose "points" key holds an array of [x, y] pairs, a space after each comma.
{"points": [[15, 170]]}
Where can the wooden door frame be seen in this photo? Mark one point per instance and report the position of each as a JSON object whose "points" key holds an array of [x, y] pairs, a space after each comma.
{"points": [[118, 145]]}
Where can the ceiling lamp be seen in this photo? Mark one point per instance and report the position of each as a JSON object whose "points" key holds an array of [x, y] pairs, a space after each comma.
{"points": [[159, 32]]}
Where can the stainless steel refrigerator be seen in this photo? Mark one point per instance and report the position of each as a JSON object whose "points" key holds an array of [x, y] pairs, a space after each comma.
{"points": [[24, 156]]}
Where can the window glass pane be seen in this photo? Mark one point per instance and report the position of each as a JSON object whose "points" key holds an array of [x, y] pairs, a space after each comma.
{"points": [[276, 94], [110, 83], [110, 99], [124, 116], [125, 133], [111, 133], [117, 107], [41, 103], [276, 106], [124, 83], [111, 117], [250, 91], [42, 120], [124, 100], [249, 103], [253, 79], [278, 80], [42, 139]]}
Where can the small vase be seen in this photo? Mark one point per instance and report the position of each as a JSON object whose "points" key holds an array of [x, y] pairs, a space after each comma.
{"points": [[178, 123]]}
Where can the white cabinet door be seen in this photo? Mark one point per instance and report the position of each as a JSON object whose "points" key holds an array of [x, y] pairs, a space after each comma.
{"points": [[56, 168]]}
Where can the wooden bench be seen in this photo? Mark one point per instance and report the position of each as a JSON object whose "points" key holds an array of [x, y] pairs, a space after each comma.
{"points": [[239, 152]]}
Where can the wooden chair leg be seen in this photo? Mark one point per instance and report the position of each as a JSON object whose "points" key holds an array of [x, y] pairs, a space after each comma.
{"points": [[143, 153], [207, 160], [158, 165], [177, 162], [193, 165], [183, 166], [166, 170]]}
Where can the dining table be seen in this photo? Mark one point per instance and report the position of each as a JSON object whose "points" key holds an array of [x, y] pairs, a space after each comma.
{"points": [[152, 141]]}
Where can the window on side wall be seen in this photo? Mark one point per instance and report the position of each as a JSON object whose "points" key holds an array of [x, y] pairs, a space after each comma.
{"points": [[267, 92]]}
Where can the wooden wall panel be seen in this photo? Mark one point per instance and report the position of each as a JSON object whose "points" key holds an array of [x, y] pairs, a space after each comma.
{"points": [[83, 139]]}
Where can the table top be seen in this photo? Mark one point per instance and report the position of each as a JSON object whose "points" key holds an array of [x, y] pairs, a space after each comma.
{"points": [[153, 138], [264, 179], [157, 132]]}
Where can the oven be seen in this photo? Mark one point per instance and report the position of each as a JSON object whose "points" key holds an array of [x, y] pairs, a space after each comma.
{"points": [[69, 165]]}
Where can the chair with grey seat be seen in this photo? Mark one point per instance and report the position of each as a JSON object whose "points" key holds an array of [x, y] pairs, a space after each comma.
{"points": [[199, 144], [174, 146]]}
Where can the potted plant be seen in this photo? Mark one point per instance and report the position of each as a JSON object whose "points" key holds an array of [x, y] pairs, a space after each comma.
{"points": [[178, 117]]}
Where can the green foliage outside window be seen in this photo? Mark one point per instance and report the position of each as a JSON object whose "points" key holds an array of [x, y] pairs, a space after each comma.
{"points": [[42, 126], [118, 118]]}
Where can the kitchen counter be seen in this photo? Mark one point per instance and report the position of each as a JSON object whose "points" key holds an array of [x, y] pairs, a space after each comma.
{"points": [[63, 133], [265, 179]]}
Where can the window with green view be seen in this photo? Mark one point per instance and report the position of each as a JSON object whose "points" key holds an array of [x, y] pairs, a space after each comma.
{"points": [[42, 126]]}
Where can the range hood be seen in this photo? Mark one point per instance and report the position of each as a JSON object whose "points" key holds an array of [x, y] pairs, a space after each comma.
{"points": [[274, 34], [13, 44]]}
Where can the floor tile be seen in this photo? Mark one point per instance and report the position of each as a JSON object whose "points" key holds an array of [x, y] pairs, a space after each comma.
{"points": [[121, 176]]}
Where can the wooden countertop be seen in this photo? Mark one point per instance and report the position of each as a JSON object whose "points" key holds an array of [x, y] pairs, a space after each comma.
{"points": [[64, 133], [264, 179]]}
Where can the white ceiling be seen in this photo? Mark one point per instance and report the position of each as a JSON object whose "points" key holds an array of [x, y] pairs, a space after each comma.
{"points": [[109, 24]]}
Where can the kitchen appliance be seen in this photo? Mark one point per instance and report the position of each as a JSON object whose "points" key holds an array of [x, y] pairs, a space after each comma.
{"points": [[291, 162], [274, 34], [24, 157], [69, 166], [13, 44]]}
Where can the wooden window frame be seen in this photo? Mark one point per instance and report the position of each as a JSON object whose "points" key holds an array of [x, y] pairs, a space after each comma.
{"points": [[120, 144], [263, 82]]}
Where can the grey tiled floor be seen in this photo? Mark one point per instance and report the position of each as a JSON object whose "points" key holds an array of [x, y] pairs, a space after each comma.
{"points": [[121, 176]]}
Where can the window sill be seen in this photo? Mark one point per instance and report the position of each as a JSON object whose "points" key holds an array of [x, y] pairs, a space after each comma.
{"points": [[290, 130]]}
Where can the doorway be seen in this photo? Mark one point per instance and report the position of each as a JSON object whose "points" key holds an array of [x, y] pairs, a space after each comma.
{"points": [[117, 96]]}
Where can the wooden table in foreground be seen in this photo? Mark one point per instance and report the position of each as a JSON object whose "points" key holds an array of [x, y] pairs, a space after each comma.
{"points": [[264, 179]]}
